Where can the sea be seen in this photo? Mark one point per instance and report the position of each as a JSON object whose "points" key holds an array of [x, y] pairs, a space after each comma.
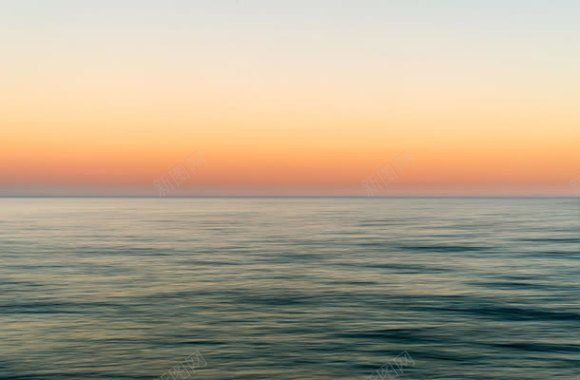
{"points": [[289, 288]]}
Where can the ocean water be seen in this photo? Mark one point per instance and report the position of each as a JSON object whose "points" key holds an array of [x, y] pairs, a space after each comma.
{"points": [[290, 288]]}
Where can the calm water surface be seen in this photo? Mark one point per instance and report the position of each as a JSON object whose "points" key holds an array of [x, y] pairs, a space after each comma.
{"points": [[290, 288]]}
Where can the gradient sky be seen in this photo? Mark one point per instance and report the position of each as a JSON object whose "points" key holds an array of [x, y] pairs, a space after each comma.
{"points": [[290, 97]]}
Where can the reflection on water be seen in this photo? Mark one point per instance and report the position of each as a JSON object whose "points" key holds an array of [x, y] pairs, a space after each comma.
{"points": [[289, 288]]}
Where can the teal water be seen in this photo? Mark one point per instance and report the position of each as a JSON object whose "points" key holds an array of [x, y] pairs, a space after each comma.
{"points": [[290, 288]]}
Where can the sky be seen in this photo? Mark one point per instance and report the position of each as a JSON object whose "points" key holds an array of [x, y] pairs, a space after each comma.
{"points": [[318, 97]]}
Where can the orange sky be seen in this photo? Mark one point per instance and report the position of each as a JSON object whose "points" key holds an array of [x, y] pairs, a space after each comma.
{"points": [[298, 102]]}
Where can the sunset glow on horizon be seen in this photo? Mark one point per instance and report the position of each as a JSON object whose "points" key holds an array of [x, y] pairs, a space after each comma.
{"points": [[291, 97]]}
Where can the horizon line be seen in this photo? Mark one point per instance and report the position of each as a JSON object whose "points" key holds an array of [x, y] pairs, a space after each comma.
{"points": [[294, 196]]}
